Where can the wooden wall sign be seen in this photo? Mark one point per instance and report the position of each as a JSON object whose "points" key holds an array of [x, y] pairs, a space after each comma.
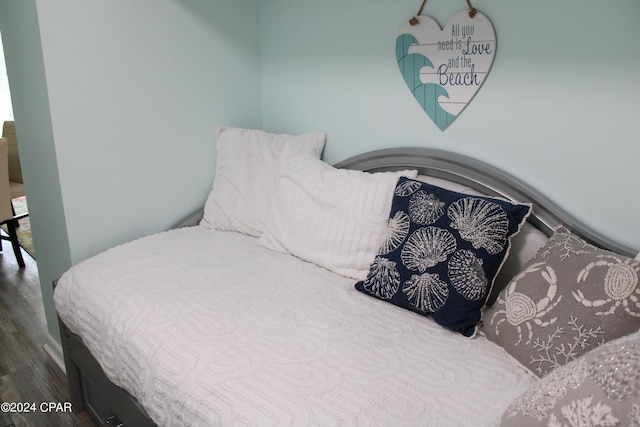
{"points": [[444, 68]]}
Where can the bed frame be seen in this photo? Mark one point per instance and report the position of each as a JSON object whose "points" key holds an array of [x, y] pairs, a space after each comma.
{"points": [[110, 405]]}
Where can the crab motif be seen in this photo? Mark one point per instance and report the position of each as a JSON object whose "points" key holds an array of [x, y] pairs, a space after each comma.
{"points": [[620, 285], [520, 309]]}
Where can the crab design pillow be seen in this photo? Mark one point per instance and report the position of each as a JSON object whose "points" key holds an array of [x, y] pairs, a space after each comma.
{"points": [[569, 298], [442, 251]]}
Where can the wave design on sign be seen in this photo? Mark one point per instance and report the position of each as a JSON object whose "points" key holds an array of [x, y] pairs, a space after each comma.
{"points": [[426, 94]]}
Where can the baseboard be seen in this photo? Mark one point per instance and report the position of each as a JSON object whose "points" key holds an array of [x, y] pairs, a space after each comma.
{"points": [[54, 350]]}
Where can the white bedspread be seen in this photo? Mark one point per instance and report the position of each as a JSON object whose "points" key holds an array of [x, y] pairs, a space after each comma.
{"points": [[208, 328]]}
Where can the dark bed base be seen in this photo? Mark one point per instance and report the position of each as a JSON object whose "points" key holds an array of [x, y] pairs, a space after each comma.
{"points": [[90, 390], [110, 405]]}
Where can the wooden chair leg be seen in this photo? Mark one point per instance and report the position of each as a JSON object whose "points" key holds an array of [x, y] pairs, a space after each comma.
{"points": [[14, 213], [13, 237]]}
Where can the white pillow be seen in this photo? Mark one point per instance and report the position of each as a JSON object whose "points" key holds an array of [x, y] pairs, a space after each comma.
{"points": [[334, 218], [246, 170]]}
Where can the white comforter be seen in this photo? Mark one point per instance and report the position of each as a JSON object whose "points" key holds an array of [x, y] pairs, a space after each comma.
{"points": [[208, 328]]}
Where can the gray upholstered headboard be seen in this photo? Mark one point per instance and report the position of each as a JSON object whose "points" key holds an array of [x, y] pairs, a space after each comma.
{"points": [[480, 176]]}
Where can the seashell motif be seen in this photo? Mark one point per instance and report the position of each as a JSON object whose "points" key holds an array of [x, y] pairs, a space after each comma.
{"points": [[481, 222], [467, 275], [427, 247], [383, 279], [426, 292], [397, 231], [425, 208], [407, 187]]}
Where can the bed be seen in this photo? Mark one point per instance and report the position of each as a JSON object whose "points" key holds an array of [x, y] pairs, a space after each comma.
{"points": [[259, 323]]}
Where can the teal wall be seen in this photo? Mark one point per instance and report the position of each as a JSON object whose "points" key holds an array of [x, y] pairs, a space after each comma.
{"points": [[136, 91], [559, 108], [25, 67]]}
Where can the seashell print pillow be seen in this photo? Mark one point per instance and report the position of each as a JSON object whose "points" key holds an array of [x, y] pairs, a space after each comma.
{"points": [[442, 252], [601, 388], [569, 298]]}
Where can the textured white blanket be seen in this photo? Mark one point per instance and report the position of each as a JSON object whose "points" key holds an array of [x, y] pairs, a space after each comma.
{"points": [[208, 328]]}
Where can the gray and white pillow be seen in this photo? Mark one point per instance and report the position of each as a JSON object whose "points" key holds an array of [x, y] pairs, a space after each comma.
{"points": [[601, 388], [569, 298]]}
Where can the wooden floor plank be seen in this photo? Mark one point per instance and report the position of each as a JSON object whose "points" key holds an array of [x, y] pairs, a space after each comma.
{"points": [[27, 374]]}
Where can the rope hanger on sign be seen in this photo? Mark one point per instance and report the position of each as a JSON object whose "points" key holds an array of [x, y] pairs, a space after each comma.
{"points": [[472, 12]]}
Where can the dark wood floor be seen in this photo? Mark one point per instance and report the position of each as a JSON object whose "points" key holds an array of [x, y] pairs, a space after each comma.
{"points": [[27, 375]]}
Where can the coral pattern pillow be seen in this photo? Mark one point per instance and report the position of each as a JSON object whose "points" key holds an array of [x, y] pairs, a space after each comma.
{"points": [[246, 169], [601, 388], [570, 297], [442, 252]]}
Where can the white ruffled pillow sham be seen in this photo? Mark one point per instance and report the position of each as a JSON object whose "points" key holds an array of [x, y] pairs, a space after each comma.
{"points": [[246, 169], [334, 218]]}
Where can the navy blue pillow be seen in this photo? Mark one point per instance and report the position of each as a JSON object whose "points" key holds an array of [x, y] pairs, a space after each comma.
{"points": [[442, 251]]}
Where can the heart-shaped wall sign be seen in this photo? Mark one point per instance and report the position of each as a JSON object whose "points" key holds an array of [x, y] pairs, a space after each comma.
{"points": [[444, 68]]}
